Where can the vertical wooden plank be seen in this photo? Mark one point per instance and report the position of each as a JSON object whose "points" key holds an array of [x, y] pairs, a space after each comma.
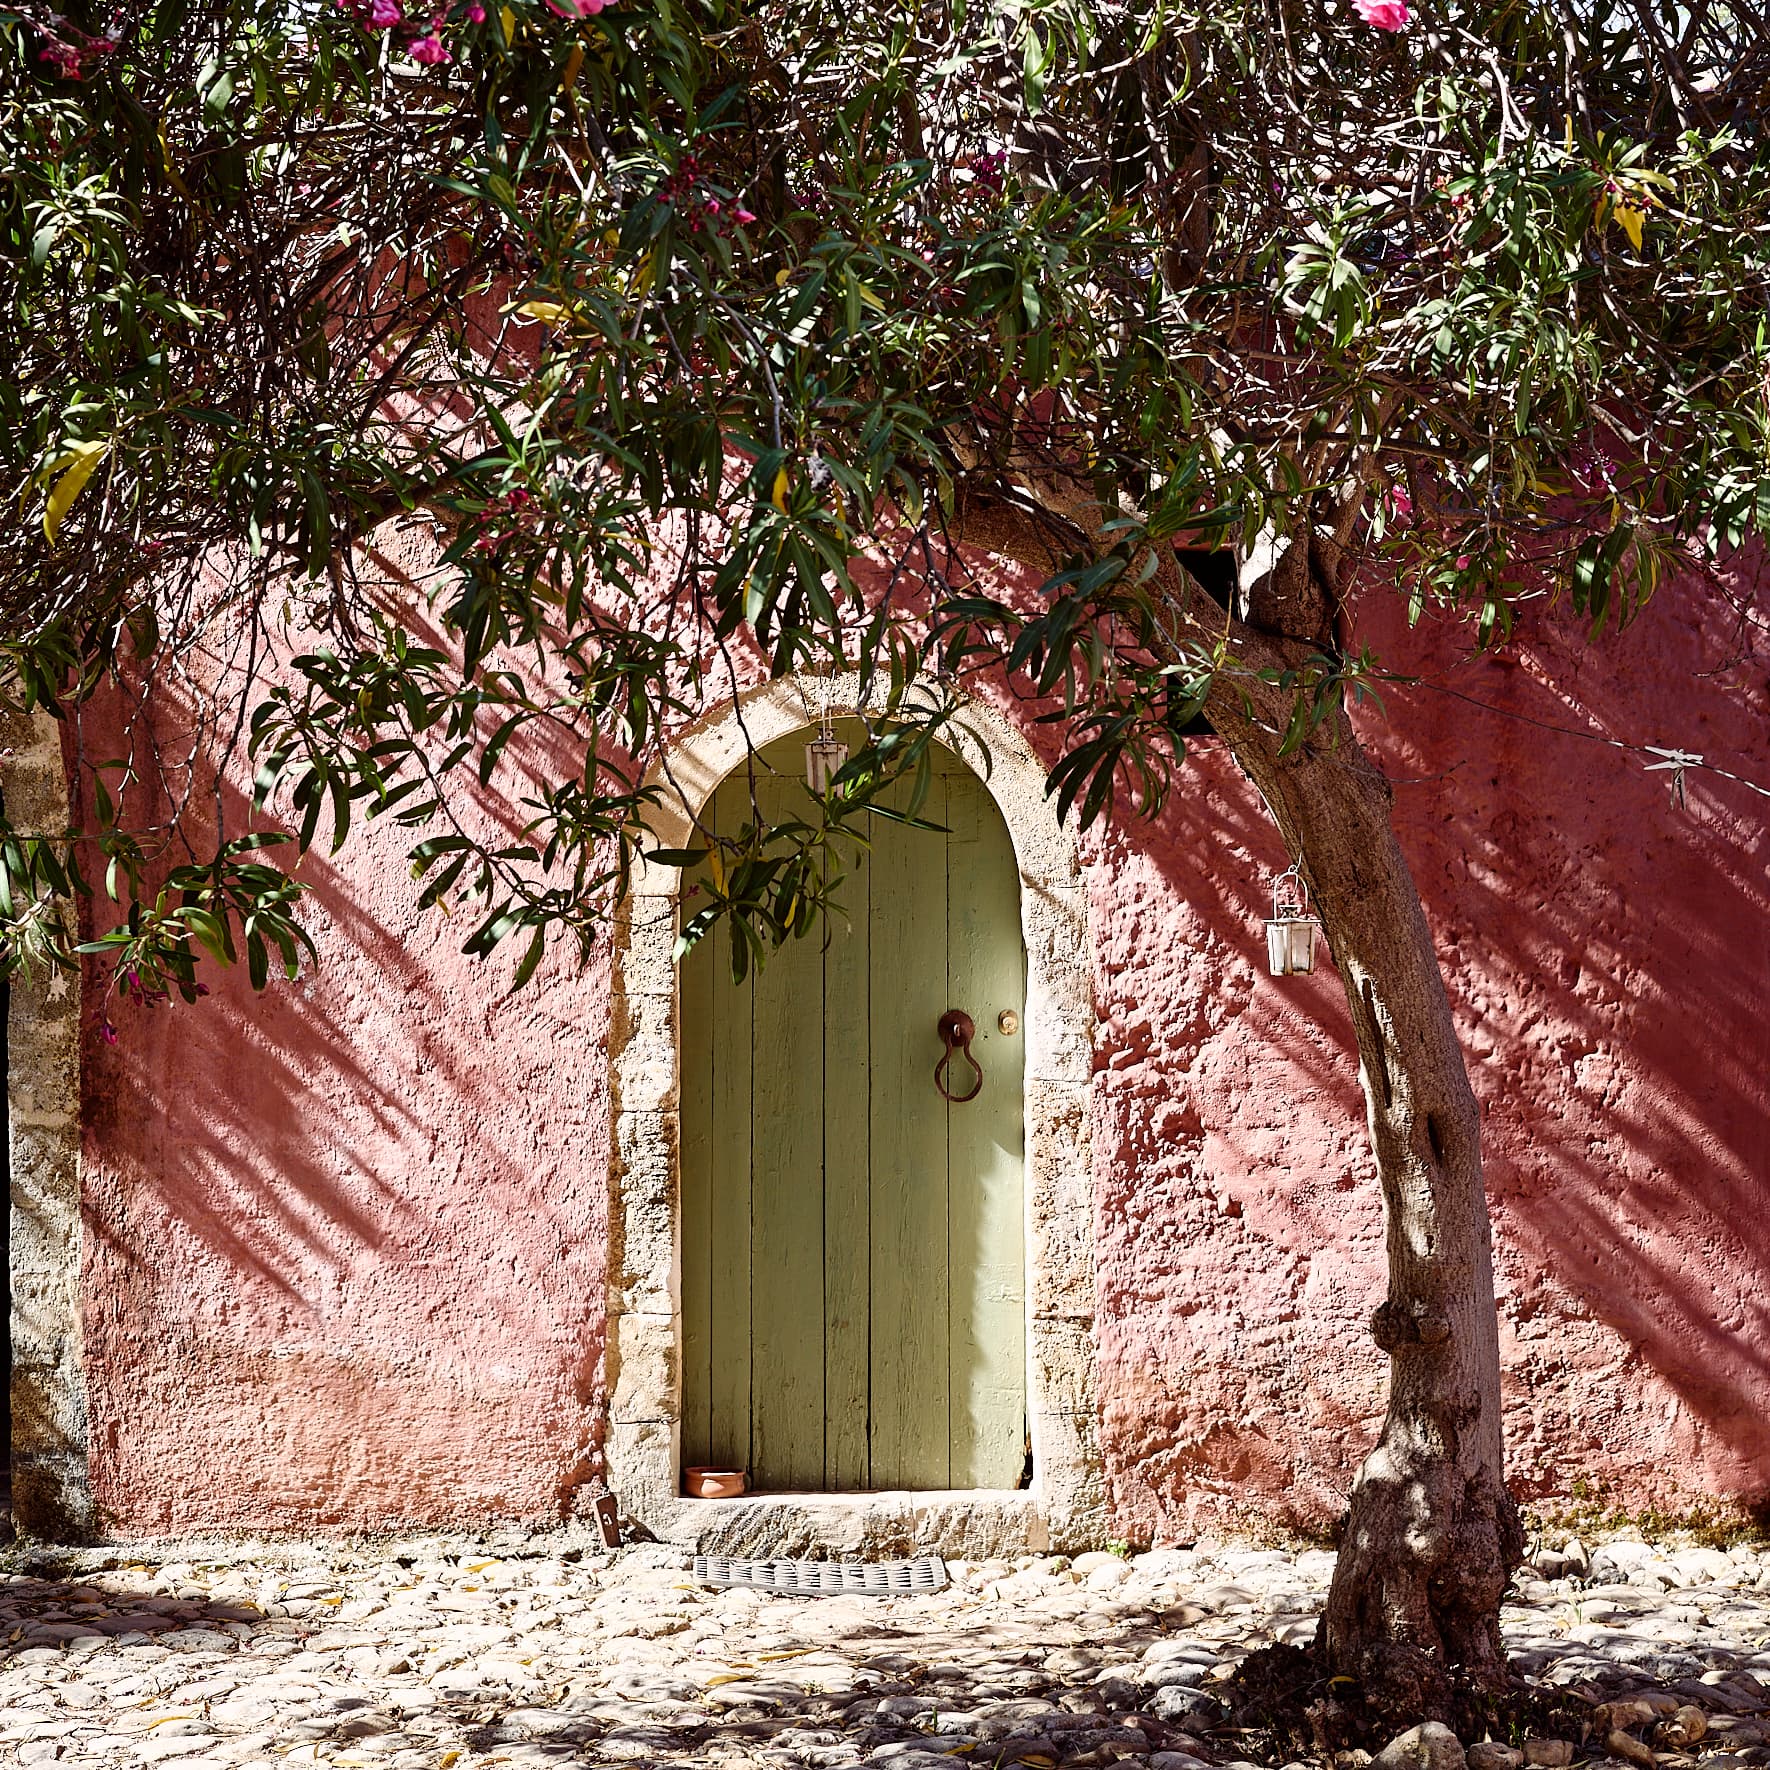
{"points": [[787, 1214], [729, 1188], [847, 1207], [909, 1160], [986, 974], [696, 1036]]}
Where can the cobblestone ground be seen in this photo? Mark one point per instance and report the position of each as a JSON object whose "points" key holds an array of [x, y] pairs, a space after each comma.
{"points": [[439, 1653]]}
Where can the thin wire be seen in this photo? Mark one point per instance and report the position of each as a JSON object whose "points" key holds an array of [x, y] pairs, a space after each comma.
{"points": [[1678, 761]]}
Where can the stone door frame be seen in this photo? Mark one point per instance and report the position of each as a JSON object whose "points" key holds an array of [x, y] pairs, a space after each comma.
{"points": [[51, 1483], [1065, 1506]]}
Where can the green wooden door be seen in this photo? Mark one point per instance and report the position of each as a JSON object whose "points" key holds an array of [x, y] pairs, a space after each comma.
{"points": [[853, 1246]]}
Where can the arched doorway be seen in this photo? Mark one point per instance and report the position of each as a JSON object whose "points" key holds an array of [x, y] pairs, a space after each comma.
{"points": [[853, 1242], [644, 1349]]}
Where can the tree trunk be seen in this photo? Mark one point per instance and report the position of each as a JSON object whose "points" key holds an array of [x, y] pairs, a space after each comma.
{"points": [[1432, 1535]]}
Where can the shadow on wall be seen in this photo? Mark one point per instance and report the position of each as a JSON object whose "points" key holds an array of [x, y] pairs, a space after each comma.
{"points": [[1605, 952], [345, 1240]]}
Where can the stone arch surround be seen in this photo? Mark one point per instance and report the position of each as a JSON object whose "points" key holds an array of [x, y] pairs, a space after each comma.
{"points": [[1065, 1506], [51, 1489]]}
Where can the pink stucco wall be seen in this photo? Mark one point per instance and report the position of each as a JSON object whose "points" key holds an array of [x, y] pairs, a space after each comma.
{"points": [[1606, 954], [345, 1242]]}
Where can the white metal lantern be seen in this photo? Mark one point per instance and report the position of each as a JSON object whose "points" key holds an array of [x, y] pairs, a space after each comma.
{"points": [[824, 757], [1291, 930]]}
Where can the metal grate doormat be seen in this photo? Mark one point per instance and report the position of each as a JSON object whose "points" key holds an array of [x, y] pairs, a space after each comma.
{"points": [[823, 1579]]}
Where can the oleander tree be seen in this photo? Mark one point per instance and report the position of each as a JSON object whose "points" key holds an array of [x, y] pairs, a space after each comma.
{"points": [[931, 339]]}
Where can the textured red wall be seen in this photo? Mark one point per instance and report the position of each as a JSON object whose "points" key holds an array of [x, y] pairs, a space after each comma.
{"points": [[1606, 956], [345, 1242]]}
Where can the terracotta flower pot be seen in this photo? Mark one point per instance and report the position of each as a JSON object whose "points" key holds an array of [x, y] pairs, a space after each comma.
{"points": [[714, 1484]]}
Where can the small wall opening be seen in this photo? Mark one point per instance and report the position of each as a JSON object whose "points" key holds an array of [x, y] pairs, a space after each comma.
{"points": [[1216, 572]]}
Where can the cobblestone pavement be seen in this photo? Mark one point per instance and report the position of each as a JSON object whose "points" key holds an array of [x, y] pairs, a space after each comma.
{"points": [[434, 1652]]}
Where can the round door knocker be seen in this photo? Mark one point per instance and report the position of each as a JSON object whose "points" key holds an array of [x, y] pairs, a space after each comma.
{"points": [[957, 1030]]}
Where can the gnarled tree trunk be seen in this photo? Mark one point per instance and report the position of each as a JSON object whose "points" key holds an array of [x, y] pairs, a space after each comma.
{"points": [[1432, 1535]]}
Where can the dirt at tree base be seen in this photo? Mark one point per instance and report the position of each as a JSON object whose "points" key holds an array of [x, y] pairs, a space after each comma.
{"points": [[1285, 1706]]}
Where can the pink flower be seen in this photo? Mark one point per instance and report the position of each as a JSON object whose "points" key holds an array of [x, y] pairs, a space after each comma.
{"points": [[476, 14], [742, 217], [1382, 15], [1399, 501], [384, 15], [1462, 562], [62, 57], [107, 1032], [428, 49]]}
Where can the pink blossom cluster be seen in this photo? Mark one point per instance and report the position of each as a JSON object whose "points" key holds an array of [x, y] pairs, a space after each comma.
{"points": [[989, 170], [422, 31], [505, 518], [1382, 15], [686, 190], [423, 28], [70, 50], [131, 986]]}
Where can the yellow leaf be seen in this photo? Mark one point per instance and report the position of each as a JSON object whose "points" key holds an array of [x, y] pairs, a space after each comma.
{"points": [[573, 62], [727, 1678], [507, 19], [782, 485], [791, 1653], [780, 278], [178, 184], [642, 273], [1631, 219], [549, 313], [76, 467]]}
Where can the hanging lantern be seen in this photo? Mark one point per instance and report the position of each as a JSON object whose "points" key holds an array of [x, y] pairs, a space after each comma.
{"points": [[824, 757], [1291, 930]]}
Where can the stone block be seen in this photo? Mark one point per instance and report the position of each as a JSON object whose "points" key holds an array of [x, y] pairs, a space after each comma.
{"points": [[646, 931], [1063, 1357], [1060, 1277], [1059, 985], [1060, 1165], [642, 1238], [644, 1379], [640, 1456], [1068, 1481], [642, 1037]]}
